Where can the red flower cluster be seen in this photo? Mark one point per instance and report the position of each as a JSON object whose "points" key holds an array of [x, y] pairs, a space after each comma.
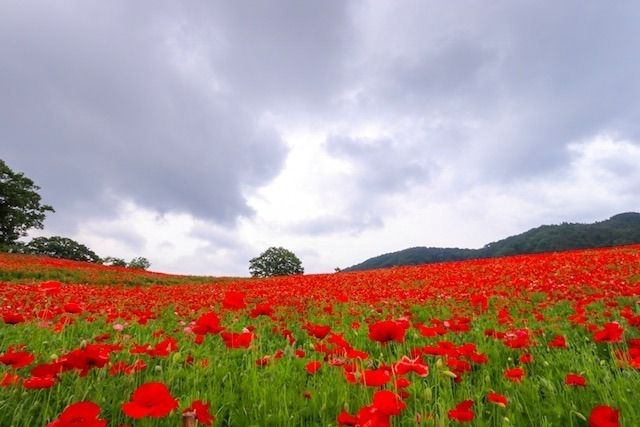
{"points": [[83, 414], [150, 400], [385, 405]]}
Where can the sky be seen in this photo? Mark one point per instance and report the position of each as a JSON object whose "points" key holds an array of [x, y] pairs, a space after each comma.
{"points": [[198, 134]]}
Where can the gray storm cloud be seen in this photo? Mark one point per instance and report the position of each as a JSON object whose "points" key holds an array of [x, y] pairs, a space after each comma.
{"points": [[98, 102], [171, 105]]}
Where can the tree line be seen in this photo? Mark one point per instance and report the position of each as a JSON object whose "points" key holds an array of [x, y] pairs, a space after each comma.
{"points": [[21, 209], [620, 229]]}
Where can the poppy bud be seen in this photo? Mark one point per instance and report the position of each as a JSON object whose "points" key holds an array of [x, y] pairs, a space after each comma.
{"points": [[449, 374]]}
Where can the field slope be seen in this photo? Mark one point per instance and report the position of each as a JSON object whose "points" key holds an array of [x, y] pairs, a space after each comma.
{"points": [[549, 339]]}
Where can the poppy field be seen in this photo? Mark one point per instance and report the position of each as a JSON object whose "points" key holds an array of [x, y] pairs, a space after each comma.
{"points": [[534, 340]]}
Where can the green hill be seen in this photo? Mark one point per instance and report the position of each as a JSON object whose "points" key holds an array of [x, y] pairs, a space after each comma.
{"points": [[620, 229]]}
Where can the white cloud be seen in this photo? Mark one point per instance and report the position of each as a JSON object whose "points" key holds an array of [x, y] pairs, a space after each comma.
{"points": [[199, 135]]}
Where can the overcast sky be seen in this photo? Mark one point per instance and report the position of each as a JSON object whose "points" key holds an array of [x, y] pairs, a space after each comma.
{"points": [[199, 133]]}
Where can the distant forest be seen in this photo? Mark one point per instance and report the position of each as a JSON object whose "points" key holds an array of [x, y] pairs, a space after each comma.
{"points": [[620, 229]]}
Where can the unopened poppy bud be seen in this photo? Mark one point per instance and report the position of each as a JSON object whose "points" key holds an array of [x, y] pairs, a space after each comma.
{"points": [[449, 374], [579, 415], [439, 363]]}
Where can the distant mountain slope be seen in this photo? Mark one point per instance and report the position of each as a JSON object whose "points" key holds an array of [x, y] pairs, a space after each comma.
{"points": [[620, 229]]}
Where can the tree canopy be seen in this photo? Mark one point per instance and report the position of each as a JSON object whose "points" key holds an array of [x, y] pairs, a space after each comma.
{"points": [[114, 261], [20, 205], [61, 247], [275, 261], [139, 262]]}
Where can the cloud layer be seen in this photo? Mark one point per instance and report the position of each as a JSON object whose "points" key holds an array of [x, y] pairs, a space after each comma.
{"points": [[340, 129]]}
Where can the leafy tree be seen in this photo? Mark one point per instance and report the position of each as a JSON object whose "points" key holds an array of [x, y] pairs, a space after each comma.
{"points": [[275, 262], [139, 262], [116, 262], [61, 247], [20, 207]]}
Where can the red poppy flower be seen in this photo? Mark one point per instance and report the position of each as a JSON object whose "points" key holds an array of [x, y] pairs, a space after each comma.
{"points": [[371, 377], [431, 331], [38, 383], [575, 380], [558, 342], [611, 332], [234, 300], [498, 399], [140, 349], [388, 402], [313, 367], [150, 400], [9, 379], [604, 416], [262, 309], [463, 412], [526, 358], [164, 348], [406, 365], [371, 416], [88, 357], [73, 308], [201, 411], [52, 369], [318, 331], [208, 323], [12, 318], [514, 374], [263, 361], [387, 330], [16, 359], [402, 382], [122, 368], [345, 419], [237, 340], [518, 338], [479, 301], [83, 414]]}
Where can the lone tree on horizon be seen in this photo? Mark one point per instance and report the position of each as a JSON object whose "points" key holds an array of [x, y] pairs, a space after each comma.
{"points": [[275, 262]]}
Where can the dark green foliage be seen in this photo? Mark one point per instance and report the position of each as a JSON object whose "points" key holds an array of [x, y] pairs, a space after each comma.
{"points": [[20, 207], [275, 262], [60, 247], [115, 262], [139, 262], [618, 230], [414, 256], [16, 247]]}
